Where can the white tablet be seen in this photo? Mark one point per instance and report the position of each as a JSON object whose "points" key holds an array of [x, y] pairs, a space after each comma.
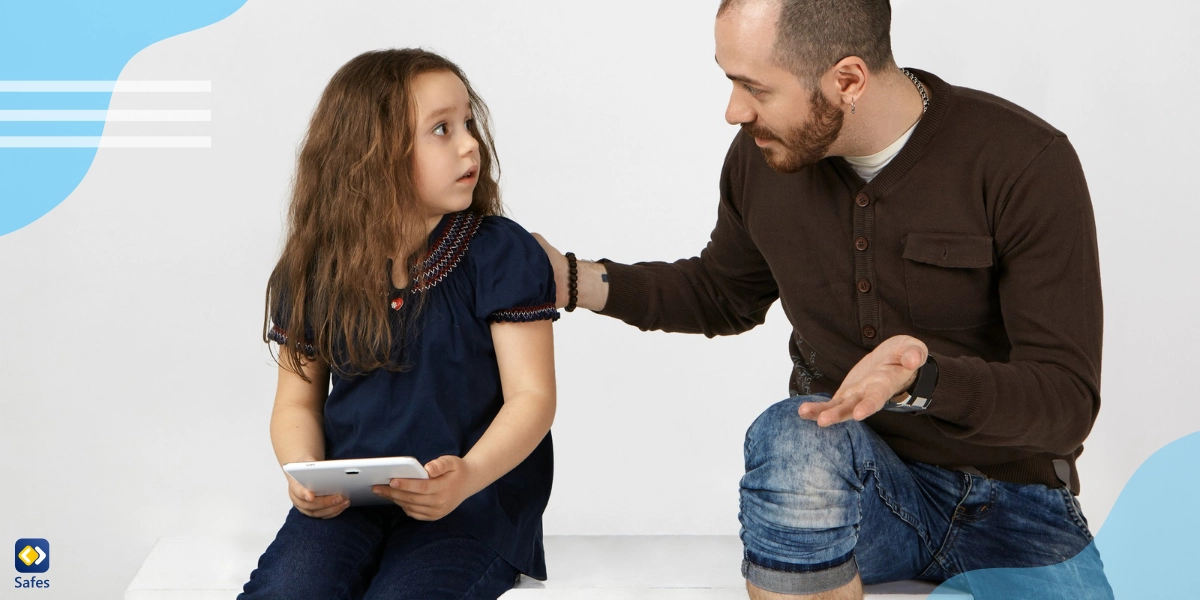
{"points": [[354, 477]]}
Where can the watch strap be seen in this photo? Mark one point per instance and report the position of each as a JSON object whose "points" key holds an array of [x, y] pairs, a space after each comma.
{"points": [[920, 393]]}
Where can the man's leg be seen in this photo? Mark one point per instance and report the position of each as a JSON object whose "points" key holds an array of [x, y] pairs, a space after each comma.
{"points": [[1011, 540], [820, 505]]}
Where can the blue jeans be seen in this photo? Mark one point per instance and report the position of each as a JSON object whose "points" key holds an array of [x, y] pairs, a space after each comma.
{"points": [[819, 505], [376, 552]]}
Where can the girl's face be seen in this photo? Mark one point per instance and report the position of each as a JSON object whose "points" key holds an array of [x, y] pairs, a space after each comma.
{"points": [[446, 157]]}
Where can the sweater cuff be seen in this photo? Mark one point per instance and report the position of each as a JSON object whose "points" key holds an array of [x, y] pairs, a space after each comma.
{"points": [[628, 290], [958, 395]]}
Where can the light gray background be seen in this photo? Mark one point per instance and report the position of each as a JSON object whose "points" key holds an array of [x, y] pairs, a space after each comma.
{"points": [[135, 390]]}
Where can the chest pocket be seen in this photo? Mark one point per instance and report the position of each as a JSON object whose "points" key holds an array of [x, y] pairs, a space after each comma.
{"points": [[950, 280]]}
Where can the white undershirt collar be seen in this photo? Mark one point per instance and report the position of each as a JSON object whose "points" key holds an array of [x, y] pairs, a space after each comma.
{"points": [[868, 167]]}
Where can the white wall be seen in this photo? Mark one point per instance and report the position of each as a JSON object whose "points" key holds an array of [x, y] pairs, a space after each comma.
{"points": [[136, 393]]}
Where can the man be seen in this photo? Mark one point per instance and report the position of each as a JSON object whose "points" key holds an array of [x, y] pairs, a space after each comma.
{"points": [[934, 249]]}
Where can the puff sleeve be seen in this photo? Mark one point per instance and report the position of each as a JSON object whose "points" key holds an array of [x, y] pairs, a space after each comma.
{"points": [[277, 332], [514, 281]]}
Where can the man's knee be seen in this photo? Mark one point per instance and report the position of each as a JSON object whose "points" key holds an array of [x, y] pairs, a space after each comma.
{"points": [[780, 435], [799, 474], [799, 501]]}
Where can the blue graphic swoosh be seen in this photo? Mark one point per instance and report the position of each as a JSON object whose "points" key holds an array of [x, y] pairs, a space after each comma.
{"points": [[72, 40]]}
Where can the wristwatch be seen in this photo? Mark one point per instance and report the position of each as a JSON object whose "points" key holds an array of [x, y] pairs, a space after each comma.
{"points": [[920, 393]]}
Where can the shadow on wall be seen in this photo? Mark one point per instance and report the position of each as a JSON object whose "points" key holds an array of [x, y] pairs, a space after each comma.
{"points": [[1146, 542], [48, 137]]}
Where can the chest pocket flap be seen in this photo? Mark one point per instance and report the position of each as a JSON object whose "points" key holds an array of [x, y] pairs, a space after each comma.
{"points": [[952, 250]]}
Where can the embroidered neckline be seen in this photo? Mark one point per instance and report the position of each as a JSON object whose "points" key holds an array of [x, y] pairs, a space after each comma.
{"points": [[444, 254]]}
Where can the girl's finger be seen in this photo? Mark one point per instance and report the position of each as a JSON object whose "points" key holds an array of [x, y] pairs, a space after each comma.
{"points": [[414, 500], [413, 486], [320, 502], [330, 511], [297, 490], [336, 512]]}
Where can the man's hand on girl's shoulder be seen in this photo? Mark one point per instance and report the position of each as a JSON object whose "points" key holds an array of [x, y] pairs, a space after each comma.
{"points": [[430, 499], [559, 262]]}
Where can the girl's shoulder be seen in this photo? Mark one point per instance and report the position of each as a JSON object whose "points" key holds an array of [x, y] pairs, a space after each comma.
{"points": [[512, 276], [503, 229], [500, 239]]}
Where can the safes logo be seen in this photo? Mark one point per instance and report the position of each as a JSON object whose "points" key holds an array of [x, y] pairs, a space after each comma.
{"points": [[33, 555]]}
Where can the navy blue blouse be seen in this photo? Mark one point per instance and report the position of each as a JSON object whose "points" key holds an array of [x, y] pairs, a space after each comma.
{"points": [[477, 271]]}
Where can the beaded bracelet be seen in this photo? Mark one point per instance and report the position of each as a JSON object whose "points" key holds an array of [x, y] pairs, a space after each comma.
{"points": [[572, 282]]}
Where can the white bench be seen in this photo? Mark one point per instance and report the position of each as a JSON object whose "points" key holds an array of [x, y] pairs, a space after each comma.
{"points": [[581, 568]]}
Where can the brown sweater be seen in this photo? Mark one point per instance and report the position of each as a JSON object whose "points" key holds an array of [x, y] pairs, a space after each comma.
{"points": [[978, 239]]}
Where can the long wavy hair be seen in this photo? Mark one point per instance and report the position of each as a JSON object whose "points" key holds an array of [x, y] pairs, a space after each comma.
{"points": [[354, 206]]}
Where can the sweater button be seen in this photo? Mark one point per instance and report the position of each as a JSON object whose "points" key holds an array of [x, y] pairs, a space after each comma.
{"points": [[864, 286], [860, 243], [862, 200], [869, 332]]}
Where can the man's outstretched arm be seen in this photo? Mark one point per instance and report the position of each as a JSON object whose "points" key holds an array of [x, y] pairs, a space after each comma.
{"points": [[725, 290]]}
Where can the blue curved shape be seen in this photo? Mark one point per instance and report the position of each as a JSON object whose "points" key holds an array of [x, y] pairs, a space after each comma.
{"points": [[1148, 541], [61, 40]]}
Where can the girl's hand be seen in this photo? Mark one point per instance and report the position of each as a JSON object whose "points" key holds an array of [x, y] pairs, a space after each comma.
{"points": [[430, 499], [320, 507]]}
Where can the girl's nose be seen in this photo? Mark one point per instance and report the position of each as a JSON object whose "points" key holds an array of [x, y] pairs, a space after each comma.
{"points": [[469, 145]]}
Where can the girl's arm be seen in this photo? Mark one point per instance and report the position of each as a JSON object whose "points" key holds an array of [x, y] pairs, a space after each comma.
{"points": [[525, 355], [297, 433]]}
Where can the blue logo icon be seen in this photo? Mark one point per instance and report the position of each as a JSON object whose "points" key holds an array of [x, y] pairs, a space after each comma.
{"points": [[33, 555]]}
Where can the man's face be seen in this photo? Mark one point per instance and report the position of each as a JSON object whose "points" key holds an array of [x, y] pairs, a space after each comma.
{"points": [[793, 125]]}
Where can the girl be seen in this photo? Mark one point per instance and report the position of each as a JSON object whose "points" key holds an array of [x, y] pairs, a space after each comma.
{"points": [[432, 315]]}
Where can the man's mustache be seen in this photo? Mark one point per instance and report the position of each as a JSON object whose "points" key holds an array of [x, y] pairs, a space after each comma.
{"points": [[759, 131]]}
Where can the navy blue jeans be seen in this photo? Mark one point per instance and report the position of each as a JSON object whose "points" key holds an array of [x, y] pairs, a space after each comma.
{"points": [[376, 552], [819, 505]]}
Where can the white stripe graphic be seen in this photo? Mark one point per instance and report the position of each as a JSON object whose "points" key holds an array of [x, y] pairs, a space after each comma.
{"points": [[106, 115], [107, 86], [108, 141]]}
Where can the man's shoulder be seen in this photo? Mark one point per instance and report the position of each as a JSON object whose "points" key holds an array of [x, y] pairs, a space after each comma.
{"points": [[981, 107], [975, 120]]}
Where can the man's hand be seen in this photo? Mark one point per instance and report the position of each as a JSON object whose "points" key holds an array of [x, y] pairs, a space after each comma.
{"points": [[592, 283], [430, 499], [880, 376], [559, 262]]}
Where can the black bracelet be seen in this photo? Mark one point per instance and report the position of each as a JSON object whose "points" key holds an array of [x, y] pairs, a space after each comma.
{"points": [[572, 282]]}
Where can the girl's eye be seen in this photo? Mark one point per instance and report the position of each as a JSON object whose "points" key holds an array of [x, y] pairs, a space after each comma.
{"points": [[440, 129]]}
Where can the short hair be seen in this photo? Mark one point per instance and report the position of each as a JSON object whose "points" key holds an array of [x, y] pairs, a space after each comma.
{"points": [[813, 35]]}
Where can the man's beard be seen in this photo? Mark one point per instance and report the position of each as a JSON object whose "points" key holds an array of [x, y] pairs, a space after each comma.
{"points": [[806, 144]]}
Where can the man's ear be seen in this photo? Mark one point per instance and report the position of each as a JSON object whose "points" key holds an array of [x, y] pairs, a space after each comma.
{"points": [[849, 78]]}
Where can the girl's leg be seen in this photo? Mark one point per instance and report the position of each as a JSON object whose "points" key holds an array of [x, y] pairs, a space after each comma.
{"points": [[435, 561], [320, 558]]}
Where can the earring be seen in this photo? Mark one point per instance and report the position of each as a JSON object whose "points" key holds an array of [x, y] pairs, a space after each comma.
{"points": [[852, 107]]}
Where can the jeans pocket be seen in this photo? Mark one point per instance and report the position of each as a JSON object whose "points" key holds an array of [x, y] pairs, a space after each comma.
{"points": [[1075, 511]]}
